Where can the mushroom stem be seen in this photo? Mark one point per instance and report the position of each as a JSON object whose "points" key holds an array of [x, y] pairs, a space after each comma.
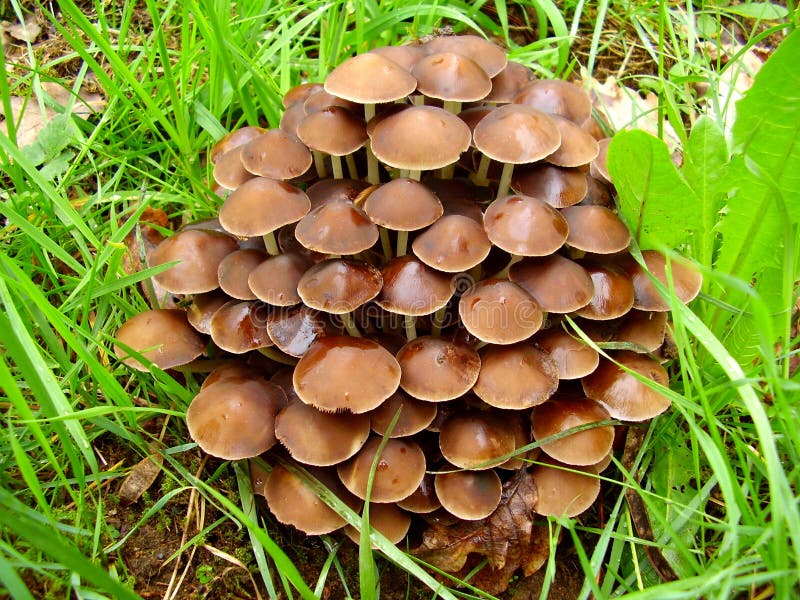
{"points": [[350, 324], [505, 179], [438, 321], [504, 273], [476, 273], [336, 163], [418, 100], [271, 244], [410, 325], [386, 244], [448, 171], [351, 166], [481, 177], [415, 175], [373, 176], [402, 243], [452, 106], [278, 357], [319, 164]]}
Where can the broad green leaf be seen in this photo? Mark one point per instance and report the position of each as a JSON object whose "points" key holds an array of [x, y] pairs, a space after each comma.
{"points": [[758, 10], [705, 165], [654, 198]]}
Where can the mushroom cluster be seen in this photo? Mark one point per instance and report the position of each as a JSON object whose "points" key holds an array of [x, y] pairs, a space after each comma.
{"points": [[409, 265]]}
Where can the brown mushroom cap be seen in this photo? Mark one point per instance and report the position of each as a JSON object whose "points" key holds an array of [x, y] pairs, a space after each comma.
{"points": [[299, 93], [229, 171], [491, 57], [235, 418], [320, 99], [424, 499], [234, 139], [370, 79], [582, 448], [475, 440], [563, 493], [516, 134], [403, 205], [519, 424], [262, 205], [335, 190], [452, 244], [294, 503], [293, 330], [613, 293], [346, 373], [420, 138], [231, 370], [643, 328], [412, 288], [401, 467], [275, 280], [291, 118], [556, 186], [685, 277], [199, 253], [405, 56], [599, 166], [577, 147], [622, 394], [596, 229], [239, 327], [525, 226], [276, 154], [387, 519], [339, 286], [516, 377], [507, 83], [435, 369], [203, 307], [234, 270], [499, 312], [414, 416], [573, 358], [333, 130], [558, 284], [450, 76], [557, 97], [469, 495], [162, 336], [322, 439], [337, 228]]}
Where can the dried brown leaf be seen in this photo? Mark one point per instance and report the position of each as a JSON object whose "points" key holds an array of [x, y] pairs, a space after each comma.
{"points": [[507, 538], [140, 479], [23, 32], [140, 241]]}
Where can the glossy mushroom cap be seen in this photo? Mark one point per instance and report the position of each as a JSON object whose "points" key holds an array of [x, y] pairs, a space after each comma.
{"points": [[346, 373], [452, 244], [294, 503], [198, 253], [475, 440], [275, 280], [595, 229], [339, 286], [333, 130], [517, 134], [262, 205], [450, 76], [370, 79], [563, 493], [412, 415], [577, 147], [405, 56], [516, 377], [403, 205], [240, 326], [435, 369], [412, 288], [202, 309], [424, 499], [400, 470], [558, 284], [335, 190], [234, 139], [276, 154], [229, 172], [557, 97], [293, 330], [322, 439], [234, 270], [685, 277], [420, 138], [622, 394], [491, 57], [387, 519], [556, 186], [469, 495], [499, 312], [561, 414], [613, 292], [299, 93], [507, 83], [573, 358], [642, 328], [234, 419], [162, 336], [525, 226], [337, 228], [599, 166]]}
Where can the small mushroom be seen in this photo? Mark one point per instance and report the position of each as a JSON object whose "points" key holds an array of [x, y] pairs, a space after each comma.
{"points": [[556, 97], [491, 57], [516, 377], [475, 440], [337, 228], [556, 186], [234, 270], [240, 326], [387, 519], [499, 312], [525, 226], [686, 280], [469, 495], [435, 369], [595, 229], [275, 280], [452, 244], [561, 414], [613, 292], [424, 499], [400, 469], [163, 337], [414, 415], [573, 358], [563, 491], [276, 154], [198, 254], [558, 284]]}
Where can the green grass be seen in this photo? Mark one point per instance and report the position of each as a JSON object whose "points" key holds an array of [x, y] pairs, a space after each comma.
{"points": [[718, 473]]}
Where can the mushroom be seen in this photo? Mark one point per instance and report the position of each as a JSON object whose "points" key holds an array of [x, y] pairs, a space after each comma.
{"points": [[556, 186], [435, 369], [560, 414], [276, 154], [469, 495], [507, 83], [335, 131], [563, 491], [412, 415], [163, 337], [516, 377], [451, 77], [275, 280], [424, 499], [202, 308], [234, 270], [293, 330], [452, 244], [557, 97], [240, 326], [475, 440], [234, 139], [400, 469], [613, 292], [387, 519], [558, 284], [574, 359], [491, 57], [499, 312], [595, 229], [198, 254], [336, 228], [686, 281]]}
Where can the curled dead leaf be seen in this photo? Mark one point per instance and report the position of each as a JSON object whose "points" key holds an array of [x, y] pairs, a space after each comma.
{"points": [[140, 479], [507, 538], [140, 241]]}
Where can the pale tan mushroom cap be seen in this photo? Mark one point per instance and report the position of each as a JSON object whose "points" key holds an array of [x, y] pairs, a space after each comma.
{"points": [[475, 440], [412, 288], [686, 278], [199, 253], [525, 226], [563, 493], [163, 336], [499, 312], [450, 76]]}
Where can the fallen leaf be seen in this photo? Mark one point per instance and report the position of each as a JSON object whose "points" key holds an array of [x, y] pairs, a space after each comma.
{"points": [[140, 479], [23, 32], [507, 538]]}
